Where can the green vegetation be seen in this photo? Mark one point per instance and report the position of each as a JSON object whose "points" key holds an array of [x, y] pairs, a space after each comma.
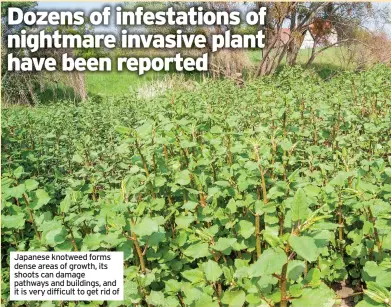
{"points": [[265, 195], [120, 83], [330, 56], [327, 63]]}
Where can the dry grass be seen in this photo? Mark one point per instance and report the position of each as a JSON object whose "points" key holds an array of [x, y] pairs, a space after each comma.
{"points": [[229, 63], [371, 49], [170, 82]]}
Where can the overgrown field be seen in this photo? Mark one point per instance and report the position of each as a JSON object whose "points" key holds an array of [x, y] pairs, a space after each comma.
{"points": [[272, 194]]}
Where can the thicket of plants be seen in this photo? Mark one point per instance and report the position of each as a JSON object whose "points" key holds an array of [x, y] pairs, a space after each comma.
{"points": [[265, 195]]}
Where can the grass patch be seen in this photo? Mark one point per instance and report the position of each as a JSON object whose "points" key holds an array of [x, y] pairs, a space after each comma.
{"points": [[115, 83], [326, 64], [119, 83]]}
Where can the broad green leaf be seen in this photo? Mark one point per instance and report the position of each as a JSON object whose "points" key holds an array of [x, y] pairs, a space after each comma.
{"points": [[31, 184], [384, 278], [184, 221], [295, 269], [271, 261], [286, 144], [77, 158], [212, 270], [156, 298], [272, 238], [206, 300], [122, 149], [17, 191], [146, 227], [126, 248], [160, 181], [246, 229], [197, 250], [41, 198], [234, 298], [56, 236], [18, 172], [172, 286], [183, 177], [305, 247], [13, 221], [339, 179], [313, 278], [224, 245], [194, 276], [299, 206], [92, 241], [65, 204], [123, 130], [367, 302], [322, 296]]}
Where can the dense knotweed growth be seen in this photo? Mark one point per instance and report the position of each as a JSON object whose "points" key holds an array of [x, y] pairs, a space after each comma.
{"points": [[276, 193]]}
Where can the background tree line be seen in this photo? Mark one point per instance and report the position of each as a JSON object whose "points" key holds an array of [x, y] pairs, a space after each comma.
{"points": [[347, 19]]}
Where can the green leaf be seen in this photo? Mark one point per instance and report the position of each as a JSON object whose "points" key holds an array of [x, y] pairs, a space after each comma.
{"points": [[377, 293], [92, 241], [224, 245], [122, 149], [246, 229], [56, 236], [17, 191], [313, 278], [212, 270], [65, 204], [271, 261], [305, 247], [146, 227], [384, 278], [159, 181], [339, 179], [172, 286], [197, 250], [295, 269], [184, 221], [234, 298], [286, 144], [31, 184], [18, 172], [367, 302], [206, 300], [194, 276], [183, 177], [127, 249], [13, 221], [272, 238], [322, 296], [156, 298], [299, 206], [41, 198], [77, 158], [123, 130]]}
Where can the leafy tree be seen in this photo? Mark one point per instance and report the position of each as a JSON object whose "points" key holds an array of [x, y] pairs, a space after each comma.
{"points": [[341, 16]]}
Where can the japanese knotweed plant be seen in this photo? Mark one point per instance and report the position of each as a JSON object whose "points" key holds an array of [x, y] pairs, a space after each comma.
{"points": [[273, 194]]}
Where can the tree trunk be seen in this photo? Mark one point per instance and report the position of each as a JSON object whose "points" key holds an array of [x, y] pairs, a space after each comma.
{"points": [[312, 57], [293, 49], [292, 53], [265, 62], [275, 49]]}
